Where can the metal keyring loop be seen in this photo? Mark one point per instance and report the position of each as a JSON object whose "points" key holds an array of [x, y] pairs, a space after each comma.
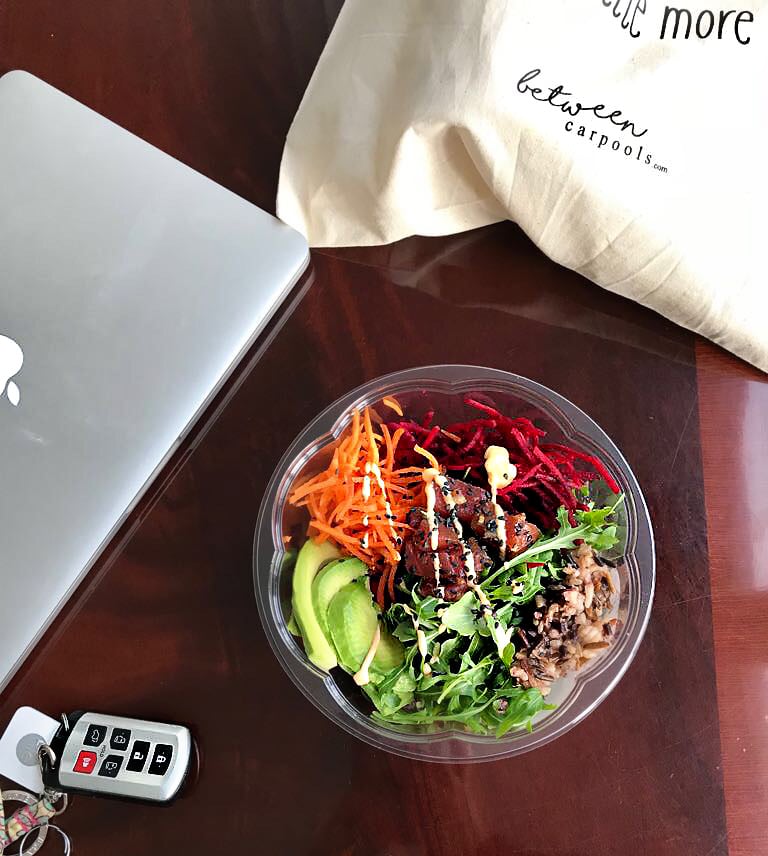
{"points": [[53, 797], [45, 749], [34, 848]]}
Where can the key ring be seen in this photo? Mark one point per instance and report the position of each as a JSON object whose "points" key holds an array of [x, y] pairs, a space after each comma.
{"points": [[45, 749], [53, 796], [39, 841]]}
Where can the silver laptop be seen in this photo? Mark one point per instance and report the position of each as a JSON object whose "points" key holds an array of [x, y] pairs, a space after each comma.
{"points": [[129, 287]]}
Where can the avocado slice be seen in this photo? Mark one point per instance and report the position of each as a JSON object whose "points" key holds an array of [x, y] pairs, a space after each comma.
{"points": [[311, 558], [289, 560], [327, 583], [293, 627], [352, 619]]}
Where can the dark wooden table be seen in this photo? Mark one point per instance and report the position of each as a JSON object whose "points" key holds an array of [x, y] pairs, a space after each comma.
{"points": [[674, 762]]}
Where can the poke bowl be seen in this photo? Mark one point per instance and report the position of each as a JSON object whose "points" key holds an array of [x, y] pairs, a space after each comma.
{"points": [[454, 563]]}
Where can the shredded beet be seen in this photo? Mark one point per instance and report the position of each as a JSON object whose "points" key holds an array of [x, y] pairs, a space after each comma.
{"points": [[547, 475]]}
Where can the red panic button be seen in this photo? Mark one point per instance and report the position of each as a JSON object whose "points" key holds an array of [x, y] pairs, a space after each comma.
{"points": [[86, 761]]}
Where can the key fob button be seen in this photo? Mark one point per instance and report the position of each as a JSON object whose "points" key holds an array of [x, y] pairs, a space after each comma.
{"points": [[95, 735], [110, 766], [120, 738], [138, 756], [161, 760], [86, 762]]}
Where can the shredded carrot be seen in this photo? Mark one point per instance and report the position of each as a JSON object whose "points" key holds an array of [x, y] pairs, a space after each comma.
{"points": [[428, 455], [393, 404], [372, 447], [360, 501], [301, 492], [391, 583], [388, 443], [380, 589]]}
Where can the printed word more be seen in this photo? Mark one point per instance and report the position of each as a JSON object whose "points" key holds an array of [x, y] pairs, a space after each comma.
{"points": [[706, 23]]}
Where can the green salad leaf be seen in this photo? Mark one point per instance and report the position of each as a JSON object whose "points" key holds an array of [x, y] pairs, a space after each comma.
{"points": [[522, 706], [464, 616], [591, 527]]}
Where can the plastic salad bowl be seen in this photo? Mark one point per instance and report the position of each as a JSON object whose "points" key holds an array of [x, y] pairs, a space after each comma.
{"points": [[443, 389]]}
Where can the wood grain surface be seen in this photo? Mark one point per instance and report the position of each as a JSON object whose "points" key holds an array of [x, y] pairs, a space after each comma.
{"points": [[167, 626], [733, 408]]}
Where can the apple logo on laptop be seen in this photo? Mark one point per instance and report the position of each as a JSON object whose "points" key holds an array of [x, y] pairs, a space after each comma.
{"points": [[11, 361]]}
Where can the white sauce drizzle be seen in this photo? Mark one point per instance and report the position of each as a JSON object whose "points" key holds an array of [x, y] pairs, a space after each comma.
{"points": [[441, 629], [482, 597], [469, 559], [362, 677], [421, 641], [501, 639], [433, 478], [430, 476], [374, 468], [450, 502], [501, 472]]}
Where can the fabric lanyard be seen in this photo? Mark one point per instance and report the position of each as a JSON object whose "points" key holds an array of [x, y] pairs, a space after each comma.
{"points": [[24, 819]]}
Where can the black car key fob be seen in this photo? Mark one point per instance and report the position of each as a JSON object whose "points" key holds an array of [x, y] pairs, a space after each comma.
{"points": [[103, 755]]}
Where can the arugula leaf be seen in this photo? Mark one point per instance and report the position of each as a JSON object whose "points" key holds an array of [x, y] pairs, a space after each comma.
{"points": [[522, 588], [446, 651], [465, 682], [603, 540], [463, 616], [428, 717], [426, 608], [565, 539], [596, 517], [405, 683], [501, 634], [507, 708], [426, 682], [507, 655], [475, 644], [603, 536], [405, 631], [466, 617], [522, 706], [388, 703]]}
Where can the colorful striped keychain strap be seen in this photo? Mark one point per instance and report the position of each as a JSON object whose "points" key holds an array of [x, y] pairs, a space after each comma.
{"points": [[34, 816]]}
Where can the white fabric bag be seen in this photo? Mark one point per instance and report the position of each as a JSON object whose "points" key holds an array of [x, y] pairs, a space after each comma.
{"points": [[636, 160]]}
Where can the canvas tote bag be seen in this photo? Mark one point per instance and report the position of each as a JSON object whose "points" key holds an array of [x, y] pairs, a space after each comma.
{"points": [[628, 138]]}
